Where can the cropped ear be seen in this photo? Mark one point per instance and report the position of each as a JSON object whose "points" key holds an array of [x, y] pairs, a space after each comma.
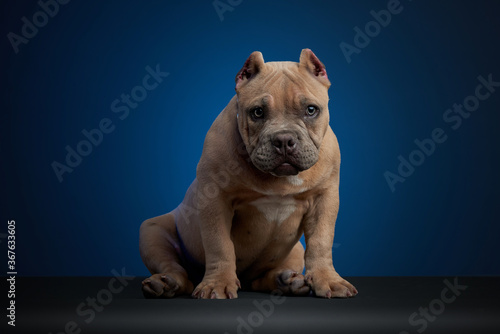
{"points": [[252, 66], [309, 61]]}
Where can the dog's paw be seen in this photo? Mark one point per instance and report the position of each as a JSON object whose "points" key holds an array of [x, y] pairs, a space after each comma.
{"points": [[217, 287], [160, 286], [292, 283], [329, 284]]}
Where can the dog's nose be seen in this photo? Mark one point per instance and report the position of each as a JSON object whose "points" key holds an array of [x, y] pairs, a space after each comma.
{"points": [[284, 143]]}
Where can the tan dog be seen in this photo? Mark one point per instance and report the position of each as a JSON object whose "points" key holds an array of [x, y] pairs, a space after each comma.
{"points": [[269, 172]]}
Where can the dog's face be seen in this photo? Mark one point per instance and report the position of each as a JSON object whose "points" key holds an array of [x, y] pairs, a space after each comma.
{"points": [[283, 112]]}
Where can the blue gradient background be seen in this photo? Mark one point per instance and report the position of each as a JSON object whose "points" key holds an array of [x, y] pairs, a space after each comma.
{"points": [[444, 220]]}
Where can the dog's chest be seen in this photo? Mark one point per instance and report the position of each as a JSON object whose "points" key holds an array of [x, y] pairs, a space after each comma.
{"points": [[275, 209]]}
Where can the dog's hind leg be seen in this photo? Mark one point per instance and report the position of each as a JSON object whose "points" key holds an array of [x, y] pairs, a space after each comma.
{"points": [[159, 247], [286, 276]]}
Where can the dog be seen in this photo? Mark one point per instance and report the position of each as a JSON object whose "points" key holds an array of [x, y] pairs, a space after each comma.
{"points": [[268, 173]]}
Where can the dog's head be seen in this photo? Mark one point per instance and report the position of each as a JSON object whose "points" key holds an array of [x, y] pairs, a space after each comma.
{"points": [[283, 112]]}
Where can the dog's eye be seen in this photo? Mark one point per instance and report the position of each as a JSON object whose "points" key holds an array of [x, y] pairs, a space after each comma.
{"points": [[258, 112], [311, 111]]}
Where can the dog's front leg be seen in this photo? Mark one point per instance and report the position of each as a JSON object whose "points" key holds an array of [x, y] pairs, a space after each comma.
{"points": [[319, 228], [220, 280]]}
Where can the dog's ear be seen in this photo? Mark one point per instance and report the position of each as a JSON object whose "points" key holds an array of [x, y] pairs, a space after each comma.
{"points": [[311, 63], [252, 66]]}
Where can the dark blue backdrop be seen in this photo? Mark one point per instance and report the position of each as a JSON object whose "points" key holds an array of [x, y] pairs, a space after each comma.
{"points": [[443, 220]]}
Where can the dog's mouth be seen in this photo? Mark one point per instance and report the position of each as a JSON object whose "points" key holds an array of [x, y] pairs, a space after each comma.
{"points": [[285, 169], [268, 161]]}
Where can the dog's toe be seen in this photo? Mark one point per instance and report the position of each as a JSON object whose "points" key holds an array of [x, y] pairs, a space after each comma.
{"points": [[159, 285], [149, 289], [292, 283]]}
